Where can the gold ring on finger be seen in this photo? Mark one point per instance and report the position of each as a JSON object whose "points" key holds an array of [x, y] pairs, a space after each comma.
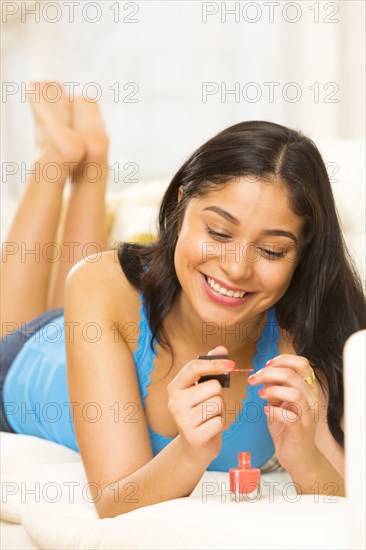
{"points": [[310, 379]]}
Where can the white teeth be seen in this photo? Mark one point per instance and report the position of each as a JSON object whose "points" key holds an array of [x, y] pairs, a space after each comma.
{"points": [[224, 291]]}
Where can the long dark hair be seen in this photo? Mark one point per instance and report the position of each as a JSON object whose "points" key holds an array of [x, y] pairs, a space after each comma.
{"points": [[324, 303]]}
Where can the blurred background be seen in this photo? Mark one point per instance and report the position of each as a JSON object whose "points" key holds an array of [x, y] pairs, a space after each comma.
{"points": [[169, 75]]}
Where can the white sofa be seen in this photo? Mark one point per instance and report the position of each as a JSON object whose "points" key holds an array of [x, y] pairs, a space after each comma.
{"points": [[196, 522]]}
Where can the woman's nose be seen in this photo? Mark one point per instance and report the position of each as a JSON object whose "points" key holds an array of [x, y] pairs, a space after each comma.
{"points": [[238, 263]]}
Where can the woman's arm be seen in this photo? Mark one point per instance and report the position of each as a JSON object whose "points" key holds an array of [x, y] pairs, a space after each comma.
{"points": [[173, 473], [109, 421], [318, 477], [297, 421]]}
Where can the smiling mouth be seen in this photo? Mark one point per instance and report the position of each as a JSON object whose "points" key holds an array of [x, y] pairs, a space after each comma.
{"points": [[223, 290]]}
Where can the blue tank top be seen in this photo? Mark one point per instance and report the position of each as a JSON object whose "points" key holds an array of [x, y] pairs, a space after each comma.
{"points": [[36, 398]]}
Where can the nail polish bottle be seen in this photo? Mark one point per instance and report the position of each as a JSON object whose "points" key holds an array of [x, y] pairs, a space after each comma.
{"points": [[244, 480]]}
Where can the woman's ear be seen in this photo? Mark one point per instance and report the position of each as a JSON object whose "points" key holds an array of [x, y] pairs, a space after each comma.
{"points": [[180, 193]]}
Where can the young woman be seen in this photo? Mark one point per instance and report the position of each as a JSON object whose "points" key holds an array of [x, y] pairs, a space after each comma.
{"points": [[249, 261]]}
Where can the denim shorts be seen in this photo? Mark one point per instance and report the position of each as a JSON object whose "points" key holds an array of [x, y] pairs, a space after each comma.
{"points": [[10, 346]]}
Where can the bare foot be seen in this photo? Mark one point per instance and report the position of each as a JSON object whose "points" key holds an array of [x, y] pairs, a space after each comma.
{"points": [[55, 138], [87, 121]]}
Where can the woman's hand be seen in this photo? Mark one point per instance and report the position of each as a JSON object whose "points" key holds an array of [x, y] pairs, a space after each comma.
{"points": [[292, 409], [197, 408]]}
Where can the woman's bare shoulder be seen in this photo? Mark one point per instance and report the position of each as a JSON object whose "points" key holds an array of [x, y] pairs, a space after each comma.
{"points": [[101, 277]]}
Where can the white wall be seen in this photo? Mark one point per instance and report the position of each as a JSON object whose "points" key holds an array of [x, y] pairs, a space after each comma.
{"points": [[169, 53]]}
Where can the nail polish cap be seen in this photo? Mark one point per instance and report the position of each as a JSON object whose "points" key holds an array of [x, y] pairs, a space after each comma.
{"points": [[244, 460], [244, 478]]}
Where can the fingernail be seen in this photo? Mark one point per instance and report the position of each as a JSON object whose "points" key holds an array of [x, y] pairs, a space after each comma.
{"points": [[261, 392], [269, 363], [251, 377], [266, 409], [229, 364], [211, 352]]}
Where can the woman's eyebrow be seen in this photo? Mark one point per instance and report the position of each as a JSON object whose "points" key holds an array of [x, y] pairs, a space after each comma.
{"points": [[224, 214], [279, 233], [276, 232]]}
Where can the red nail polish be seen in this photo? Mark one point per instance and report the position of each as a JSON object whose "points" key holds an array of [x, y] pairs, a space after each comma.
{"points": [[269, 363], [244, 480], [266, 409], [261, 392]]}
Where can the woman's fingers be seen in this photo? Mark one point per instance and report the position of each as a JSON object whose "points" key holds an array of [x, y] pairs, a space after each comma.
{"points": [[285, 376], [200, 435], [208, 409], [288, 398], [291, 405], [281, 415], [196, 368], [280, 376], [197, 408], [197, 394], [299, 364], [206, 415], [203, 400], [281, 393], [209, 429]]}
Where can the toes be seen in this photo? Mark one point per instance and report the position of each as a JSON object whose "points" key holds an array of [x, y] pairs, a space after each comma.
{"points": [[50, 91], [52, 113]]}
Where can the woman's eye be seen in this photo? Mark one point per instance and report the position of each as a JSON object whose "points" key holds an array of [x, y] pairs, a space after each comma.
{"points": [[216, 234], [272, 254], [222, 236]]}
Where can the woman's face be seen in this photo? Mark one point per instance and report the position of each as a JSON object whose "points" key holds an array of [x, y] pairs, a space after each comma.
{"points": [[240, 238]]}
